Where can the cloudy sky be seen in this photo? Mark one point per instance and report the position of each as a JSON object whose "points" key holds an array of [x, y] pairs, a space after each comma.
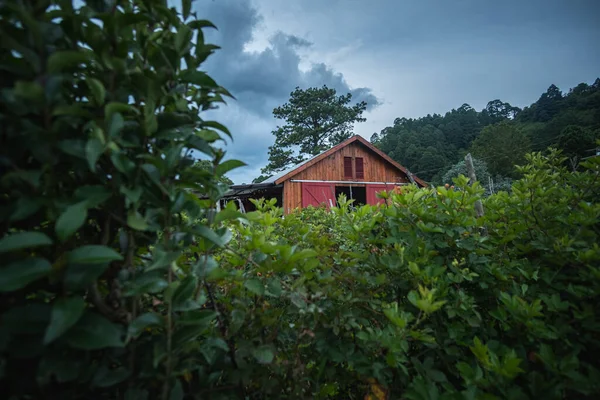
{"points": [[405, 58]]}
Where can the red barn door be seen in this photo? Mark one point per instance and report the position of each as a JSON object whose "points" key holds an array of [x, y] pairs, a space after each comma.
{"points": [[315, 194], [372, 191]]}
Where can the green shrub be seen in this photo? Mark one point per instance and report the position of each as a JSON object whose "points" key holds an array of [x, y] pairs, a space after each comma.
{"points": [[417, 298], [100, 112], [117, 282]]}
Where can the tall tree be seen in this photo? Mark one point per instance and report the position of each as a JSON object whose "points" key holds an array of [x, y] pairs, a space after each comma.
{"points": [[498, 110], [549, 104], [315, 119], [577, 142], [501, 146]]}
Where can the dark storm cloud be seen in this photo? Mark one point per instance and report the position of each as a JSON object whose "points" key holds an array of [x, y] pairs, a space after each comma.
{"points": [[260, 80], [273, 72]]}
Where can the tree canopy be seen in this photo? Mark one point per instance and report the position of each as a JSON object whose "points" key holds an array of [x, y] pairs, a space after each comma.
{"points": [[502, 146], [577, 142], [430, 145], [315, 119]]}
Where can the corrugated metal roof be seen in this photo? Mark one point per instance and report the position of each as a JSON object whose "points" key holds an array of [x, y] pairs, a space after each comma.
{"points": [[288, 170]]}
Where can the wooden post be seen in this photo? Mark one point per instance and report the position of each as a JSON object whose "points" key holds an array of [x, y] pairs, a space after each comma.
{"points": [[410, 176], [473, 178]]}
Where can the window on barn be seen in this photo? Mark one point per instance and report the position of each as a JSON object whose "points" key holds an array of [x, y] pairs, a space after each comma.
{"points": [[347, 167], [359, 167]]}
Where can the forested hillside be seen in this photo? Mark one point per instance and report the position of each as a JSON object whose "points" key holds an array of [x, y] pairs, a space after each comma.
{"points": [[500, 134]]}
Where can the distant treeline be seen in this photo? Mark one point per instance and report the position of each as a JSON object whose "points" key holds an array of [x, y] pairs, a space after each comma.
{"points": [[500, 134]]}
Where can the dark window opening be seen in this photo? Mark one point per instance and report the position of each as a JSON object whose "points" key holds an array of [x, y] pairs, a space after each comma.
{"points": [[244, 198], [360, 170], [358, 193], [347, 167]]}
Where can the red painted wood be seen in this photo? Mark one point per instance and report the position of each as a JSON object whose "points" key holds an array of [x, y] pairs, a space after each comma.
{"points": [[372, 191], [315, 194]]}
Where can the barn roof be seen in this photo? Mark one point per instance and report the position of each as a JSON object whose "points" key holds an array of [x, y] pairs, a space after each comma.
{"points": [[288, 173], [283, 173]]}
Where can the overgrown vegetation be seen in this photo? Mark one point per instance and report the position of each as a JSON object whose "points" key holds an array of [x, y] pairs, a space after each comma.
{"points": [[117, 282]]}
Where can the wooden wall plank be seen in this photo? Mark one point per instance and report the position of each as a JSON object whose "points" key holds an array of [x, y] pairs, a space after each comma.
{"points": [[332, 169]]}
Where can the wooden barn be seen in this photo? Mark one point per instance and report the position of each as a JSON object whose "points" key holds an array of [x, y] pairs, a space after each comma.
{"points": [[354, 167]]}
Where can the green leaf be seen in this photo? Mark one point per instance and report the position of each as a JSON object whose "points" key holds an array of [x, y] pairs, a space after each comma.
{"points": [[196, 77], [133, 195], [122, 162], [93, 254], [80, 276], [187, 333], [255, 286], [93, 150], [227, 166], [65, 313], [142, 322], [115, 124], [200, 318], [413, 297], [106, 377], [177, 390], [92, 195], [212, 236], [71, 220], [21, 273], [186, 6], [510, 367], [237, 320], [264, 354], [481, 351], [136, 221], [154, 174], [163, 259], [73, 147], [274, 287], [25, 207], [217, 125], [73, 110], [183, 38], [31, 177], [115, 107], [23, 240], [31, 91], [208, 135], [147, 283], [227, 214], [201, 23], [94, 332], [297, 300], [184, 291], [60, 60], [97, 89]]}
